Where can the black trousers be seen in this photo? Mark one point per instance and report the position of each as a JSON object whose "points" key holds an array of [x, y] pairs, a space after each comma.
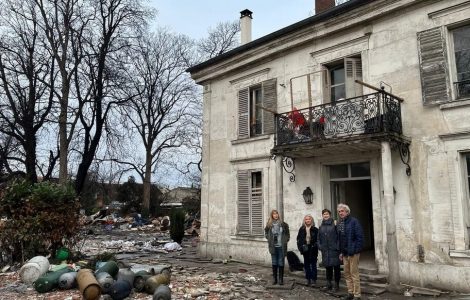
{"points": [[329, 273]]}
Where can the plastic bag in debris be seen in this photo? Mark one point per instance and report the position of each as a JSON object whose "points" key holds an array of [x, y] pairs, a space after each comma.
{"points": [[173, 246]]}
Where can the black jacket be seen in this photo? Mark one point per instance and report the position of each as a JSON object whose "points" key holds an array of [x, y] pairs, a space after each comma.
{"points": [[328, 243], [302, 239]]}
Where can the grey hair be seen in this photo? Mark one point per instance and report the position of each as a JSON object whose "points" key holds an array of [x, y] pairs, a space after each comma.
{"points": [[344, 206], [310, 216]]}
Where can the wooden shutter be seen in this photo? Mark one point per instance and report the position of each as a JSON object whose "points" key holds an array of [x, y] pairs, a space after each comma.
{"points": [[243, 117], [243, 208], [269, 102], [353, 71], [257, 210], [433, 66]]}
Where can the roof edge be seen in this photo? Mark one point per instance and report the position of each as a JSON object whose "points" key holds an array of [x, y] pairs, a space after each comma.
{"points": [[337, 10]]}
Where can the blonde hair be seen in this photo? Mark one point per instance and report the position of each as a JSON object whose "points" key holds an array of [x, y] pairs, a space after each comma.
{"points": [[270, 220], [310, 216]]}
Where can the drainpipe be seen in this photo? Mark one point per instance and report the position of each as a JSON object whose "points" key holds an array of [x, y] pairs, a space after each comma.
{"points": [[245, 26], [391, 228], [279, 186]]}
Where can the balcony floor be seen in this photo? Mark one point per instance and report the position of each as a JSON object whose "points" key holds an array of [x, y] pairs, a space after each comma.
{"points": [[338, 145]]}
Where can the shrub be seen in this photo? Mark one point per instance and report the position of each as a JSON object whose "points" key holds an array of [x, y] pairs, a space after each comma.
{"points": [[177, 216], [40, 218]]}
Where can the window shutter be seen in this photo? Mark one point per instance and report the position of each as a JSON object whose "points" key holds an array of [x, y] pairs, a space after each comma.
{"points": [[243, 102], [269, 102], [433, 66], [353, 71], [243, 202]]}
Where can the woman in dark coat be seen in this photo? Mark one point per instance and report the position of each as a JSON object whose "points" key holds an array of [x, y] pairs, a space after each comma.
{"points": [[328, 243], [277, 233], [307, 245]]}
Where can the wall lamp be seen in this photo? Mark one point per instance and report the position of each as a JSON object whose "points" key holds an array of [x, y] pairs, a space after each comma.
{"points": [[308, 195]]}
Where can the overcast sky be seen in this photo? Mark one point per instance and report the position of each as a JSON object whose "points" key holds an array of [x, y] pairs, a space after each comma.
{"points": [[193, 18]]}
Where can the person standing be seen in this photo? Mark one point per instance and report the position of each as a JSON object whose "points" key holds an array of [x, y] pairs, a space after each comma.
{"points": [[277, 233], [307, 245], [351, 239], [328, 243]]}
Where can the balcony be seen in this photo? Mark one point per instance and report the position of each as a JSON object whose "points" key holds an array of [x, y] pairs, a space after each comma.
{"points": [[354, 124]]}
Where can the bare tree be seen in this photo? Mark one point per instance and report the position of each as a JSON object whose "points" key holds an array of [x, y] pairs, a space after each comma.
{"points": [[26, 77], [116, 23], [162, 98], [63, 23], [222, 38]]}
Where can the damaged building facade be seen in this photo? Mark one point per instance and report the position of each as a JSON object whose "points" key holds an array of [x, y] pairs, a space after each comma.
{"points": [[366, 103]]}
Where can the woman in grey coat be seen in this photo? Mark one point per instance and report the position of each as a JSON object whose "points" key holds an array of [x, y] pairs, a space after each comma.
{"points": [[277, 233], [328, 243]]}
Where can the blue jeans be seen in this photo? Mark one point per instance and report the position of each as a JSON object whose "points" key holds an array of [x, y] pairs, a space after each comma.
{"points": [[310, 265], [277, 257]]}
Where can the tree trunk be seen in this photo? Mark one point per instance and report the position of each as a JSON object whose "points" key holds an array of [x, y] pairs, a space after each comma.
{"points": [[147, 176], [63, 142], [30, 156]]}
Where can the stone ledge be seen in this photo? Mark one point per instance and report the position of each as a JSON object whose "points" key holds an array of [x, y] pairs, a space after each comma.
{"points": [[459, 253]]}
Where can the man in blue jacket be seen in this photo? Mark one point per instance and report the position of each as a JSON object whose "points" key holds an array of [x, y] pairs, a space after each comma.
{"points": [[351, 239]]}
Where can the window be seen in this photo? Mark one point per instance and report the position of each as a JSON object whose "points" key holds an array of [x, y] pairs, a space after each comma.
{"points": [[250, 202], [461, 41], [256, 108], [256, 112], [466, 175], [341, 79]]}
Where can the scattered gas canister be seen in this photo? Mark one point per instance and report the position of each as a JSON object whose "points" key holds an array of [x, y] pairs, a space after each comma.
{"points": [[163, 292], [33, 269], [154, 282], [68, 280], [88, 285], [140, 279], [126, 274], [120, 290], [110, 267], [106, 281], [49, 281]]}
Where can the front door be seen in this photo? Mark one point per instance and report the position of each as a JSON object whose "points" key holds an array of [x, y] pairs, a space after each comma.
{"points": [[351, 184]]}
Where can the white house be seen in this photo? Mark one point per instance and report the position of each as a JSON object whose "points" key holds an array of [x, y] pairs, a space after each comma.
{"points": [[366, 103]]}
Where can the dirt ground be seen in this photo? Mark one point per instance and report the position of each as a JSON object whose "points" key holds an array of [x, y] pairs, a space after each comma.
{"points": [[192, 277]]}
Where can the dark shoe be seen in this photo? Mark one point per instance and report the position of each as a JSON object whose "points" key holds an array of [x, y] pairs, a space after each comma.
{"points": [[281, 275], [327, 287], [348, 297], [314, 283], [335, 287], [309, 282], [274, 275]]}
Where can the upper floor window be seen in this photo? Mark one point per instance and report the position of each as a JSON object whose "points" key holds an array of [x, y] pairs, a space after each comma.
{"points": [[461, 41], [341, 79], [256, 107], [256, 111]]}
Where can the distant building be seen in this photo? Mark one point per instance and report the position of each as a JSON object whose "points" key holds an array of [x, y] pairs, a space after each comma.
{"points": [[290, 110]]}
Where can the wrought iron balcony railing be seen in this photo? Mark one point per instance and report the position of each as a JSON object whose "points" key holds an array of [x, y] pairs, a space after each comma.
{"points": [[368, 114], [462, 89]]}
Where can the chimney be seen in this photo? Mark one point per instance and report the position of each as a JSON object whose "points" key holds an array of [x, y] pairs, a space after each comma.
{"points": [[323, 5], [245, 26]]}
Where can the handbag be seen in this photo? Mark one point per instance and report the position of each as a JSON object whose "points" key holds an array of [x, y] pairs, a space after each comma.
{"points": [[304, 248]]}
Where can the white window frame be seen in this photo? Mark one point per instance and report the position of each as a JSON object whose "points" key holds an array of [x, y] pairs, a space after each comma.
{"points": [[351, 88], [452, 61]]}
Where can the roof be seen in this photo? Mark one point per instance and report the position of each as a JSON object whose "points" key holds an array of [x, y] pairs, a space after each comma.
{"points": [[336, 11]]}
